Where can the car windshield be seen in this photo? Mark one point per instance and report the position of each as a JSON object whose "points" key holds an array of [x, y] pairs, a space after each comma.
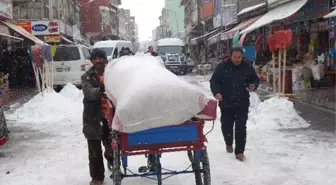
{"points": [[170, 50], [108, 50], [66, 53]]}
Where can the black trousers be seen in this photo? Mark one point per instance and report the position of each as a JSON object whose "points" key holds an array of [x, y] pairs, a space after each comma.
{"points": [[96, 161], [237, 118]]}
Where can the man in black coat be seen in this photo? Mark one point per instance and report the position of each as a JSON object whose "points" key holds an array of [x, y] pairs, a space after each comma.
{"points": [[95, 126], [151, 51], [231, 83]]}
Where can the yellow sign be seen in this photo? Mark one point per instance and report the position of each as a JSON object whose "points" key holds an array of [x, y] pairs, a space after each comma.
{"points": [[52, 38], [53, 50]]}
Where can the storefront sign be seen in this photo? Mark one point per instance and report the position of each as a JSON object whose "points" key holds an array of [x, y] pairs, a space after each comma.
{"points": [[311, 10], [52, 38], [6, 9], [225, 15], [206, 8], [45, 27], [25, 25]]}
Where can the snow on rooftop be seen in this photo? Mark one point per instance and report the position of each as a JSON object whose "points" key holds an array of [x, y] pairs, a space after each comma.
{"points": [[251, 8]]}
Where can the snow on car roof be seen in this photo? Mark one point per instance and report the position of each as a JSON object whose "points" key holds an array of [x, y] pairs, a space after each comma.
{"points": [[109, 43], [170, 42]]}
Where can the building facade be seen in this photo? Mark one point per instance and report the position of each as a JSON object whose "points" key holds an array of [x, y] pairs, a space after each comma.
{"points": [[123, 21], [52, 21], [100, 19], [175, 17]]}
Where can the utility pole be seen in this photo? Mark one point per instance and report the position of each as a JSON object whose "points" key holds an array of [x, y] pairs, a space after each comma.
{"points": [[42, 9]]}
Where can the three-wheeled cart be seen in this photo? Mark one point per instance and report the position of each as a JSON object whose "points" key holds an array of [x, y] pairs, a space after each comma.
{"points": [[188, 136]]}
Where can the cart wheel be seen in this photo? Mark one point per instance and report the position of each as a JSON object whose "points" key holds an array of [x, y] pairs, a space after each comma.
{"points": [[202, 171], [158, 169]]}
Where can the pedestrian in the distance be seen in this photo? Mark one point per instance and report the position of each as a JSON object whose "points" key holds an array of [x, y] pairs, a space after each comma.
{"points": [[95, 125], [152, 52], [231, 83]]}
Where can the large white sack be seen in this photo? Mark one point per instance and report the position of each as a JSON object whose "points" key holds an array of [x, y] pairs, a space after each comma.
{"points": [[147, 95]]}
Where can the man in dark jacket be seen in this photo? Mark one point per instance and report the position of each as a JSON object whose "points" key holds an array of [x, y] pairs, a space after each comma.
{"points": [[151, 51], [231, 83], [95, 126]]}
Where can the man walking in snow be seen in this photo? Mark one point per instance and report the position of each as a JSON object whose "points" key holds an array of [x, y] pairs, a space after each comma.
{"points": [[95, 126], [231, 83], [151, 51]]}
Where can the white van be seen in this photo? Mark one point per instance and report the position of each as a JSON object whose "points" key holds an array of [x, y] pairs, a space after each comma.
{"points": [[70, 63], [113, 47]]}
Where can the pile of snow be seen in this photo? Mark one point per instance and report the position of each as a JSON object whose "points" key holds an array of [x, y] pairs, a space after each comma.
{"points": [[50, 107], [276, 113], [254, 101], [70, 91]]}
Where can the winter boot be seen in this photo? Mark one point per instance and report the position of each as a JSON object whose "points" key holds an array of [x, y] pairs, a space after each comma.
{"points": [[229, 148], [96, 182], [240, 157]]}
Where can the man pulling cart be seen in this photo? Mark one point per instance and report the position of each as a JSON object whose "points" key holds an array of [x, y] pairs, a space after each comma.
{"points": [[97, 124]]}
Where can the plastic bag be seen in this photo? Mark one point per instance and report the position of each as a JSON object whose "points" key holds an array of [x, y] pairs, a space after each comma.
{"points": [[147, 95], [318, 71]]}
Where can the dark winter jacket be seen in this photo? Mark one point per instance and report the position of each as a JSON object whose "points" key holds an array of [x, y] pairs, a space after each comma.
{"points": [[232, 82], [92, 111], [153, 53]]}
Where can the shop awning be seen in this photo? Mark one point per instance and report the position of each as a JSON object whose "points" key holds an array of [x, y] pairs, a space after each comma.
{"points": [[251, 8], [230, 34], [67, 40], [330, 15], [213, 39], [24, 33], [11, 37], [276, 14], [194, 40]]}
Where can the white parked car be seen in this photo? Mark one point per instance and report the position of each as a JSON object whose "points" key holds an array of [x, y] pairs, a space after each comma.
{"points": [[70, 62]]}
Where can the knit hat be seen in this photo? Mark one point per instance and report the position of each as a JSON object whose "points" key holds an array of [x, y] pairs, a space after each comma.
{"points": [[98, 53]]}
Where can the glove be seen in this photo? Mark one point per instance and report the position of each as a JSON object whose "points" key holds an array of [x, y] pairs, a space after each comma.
{"points": [[102, 88]]}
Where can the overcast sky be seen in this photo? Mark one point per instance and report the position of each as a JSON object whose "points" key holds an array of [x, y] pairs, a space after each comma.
{"points": [[146, 14]]}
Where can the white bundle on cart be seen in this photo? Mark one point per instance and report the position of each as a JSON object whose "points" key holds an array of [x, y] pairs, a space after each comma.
{"points": [[146, 95]]}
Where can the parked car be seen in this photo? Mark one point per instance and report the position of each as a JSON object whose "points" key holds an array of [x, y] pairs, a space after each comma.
{"points": [[70, 62]]}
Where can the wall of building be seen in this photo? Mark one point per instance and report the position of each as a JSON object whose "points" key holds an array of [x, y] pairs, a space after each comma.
{"points": [[6, 11], [96, 17], [175, 16], [122, 23]]}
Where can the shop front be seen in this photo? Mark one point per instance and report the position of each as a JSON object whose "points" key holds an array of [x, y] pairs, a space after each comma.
{"points": [[51, 32], [14, 57]]}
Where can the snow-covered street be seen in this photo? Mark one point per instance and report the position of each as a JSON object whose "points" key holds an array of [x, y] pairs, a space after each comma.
{"points": [[47, 147]]}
